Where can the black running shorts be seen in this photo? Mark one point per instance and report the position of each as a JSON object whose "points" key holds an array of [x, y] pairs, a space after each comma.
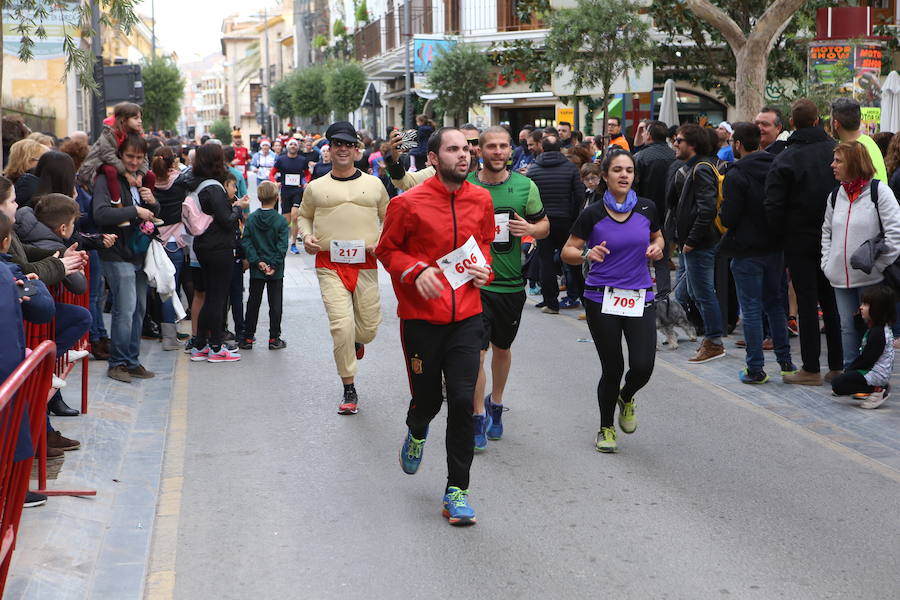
{"points": [[502, 314], [290, 197]]}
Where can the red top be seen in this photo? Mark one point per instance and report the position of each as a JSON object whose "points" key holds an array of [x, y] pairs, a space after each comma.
{"points": [[241, 158], [422, 225]]}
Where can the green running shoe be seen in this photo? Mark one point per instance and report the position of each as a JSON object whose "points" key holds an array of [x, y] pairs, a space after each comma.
{"points": [[627, 420], [606, 440]]}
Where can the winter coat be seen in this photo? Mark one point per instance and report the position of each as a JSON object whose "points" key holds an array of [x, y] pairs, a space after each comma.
{"points": [[265, 240], [42, 263], [109, 213], [41, 307], [12, 353], [696, 207], [652, 171], [797, 187], [847, 225], [105, 151], [26, 184], [220, 235], [559, 183], [742, 210], [423, 134], [33, 232], [170, 198]]}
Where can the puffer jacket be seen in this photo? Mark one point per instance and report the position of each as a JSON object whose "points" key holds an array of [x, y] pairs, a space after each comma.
{"points": [[33, 232], [559, 183], [848, 224], [424, 224], [696, 207]]}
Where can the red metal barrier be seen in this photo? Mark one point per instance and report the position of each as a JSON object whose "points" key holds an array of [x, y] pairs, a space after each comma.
{"points": [[28, 385]]}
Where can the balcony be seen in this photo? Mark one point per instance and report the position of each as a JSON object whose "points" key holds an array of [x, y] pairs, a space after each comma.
{"points": [[368, 41]]}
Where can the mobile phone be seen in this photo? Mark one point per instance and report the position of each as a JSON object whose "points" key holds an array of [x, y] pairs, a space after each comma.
{"points": [[408, 140], [28, 289]]}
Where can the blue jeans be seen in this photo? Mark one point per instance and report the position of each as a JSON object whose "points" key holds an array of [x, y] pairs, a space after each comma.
{"points": [[128, 283], [682, 285], [701, 270], [98, 328], [758, 282], [176, 255], [851, 330], [72, 322]]}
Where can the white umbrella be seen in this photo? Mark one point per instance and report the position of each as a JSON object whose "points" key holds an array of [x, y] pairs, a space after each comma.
{"points": [[668, 110], [890, 103]]}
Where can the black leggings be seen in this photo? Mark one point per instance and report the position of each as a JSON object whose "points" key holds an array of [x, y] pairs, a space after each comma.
{"points": [[216, 269], [850, 382], [640, 335]]}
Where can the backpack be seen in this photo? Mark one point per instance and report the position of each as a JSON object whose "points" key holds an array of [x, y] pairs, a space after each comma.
{"points": [[720, 194], [195, 220]]}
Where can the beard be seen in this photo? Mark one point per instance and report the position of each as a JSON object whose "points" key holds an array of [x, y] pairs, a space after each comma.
{"points": [[489, 166], [449, 174]]}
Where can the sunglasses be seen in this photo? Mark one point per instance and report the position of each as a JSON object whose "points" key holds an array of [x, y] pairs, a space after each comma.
{"points": [[679, 140], [343, 144], [473, 142]]}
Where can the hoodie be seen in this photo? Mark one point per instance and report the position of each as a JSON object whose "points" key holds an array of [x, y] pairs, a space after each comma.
{"points": [[265, 239], [742, 210], [33, 232], [559, 183]]}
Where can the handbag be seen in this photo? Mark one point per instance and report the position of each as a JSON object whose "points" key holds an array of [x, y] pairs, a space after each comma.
{"points": [[864, 257]]}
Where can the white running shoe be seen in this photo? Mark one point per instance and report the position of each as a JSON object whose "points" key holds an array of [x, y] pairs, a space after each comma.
{"points": [[76, 355], [58, 383], [223, 355]]}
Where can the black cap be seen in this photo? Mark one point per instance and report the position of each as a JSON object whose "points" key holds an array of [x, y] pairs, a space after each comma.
{"points": [[342, 130]]}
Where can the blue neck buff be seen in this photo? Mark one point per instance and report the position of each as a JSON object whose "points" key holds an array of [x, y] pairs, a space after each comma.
{"points": [[630, 200]]}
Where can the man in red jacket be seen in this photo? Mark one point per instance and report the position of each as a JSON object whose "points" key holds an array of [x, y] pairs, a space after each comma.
{"points": [[436, 245]]}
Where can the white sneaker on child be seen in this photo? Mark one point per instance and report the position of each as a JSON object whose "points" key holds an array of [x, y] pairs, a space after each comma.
{"points": [[76, 355], [58, 383]]}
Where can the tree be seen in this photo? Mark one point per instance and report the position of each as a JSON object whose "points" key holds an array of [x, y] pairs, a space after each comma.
{"points": [[308, 92], [751, 42], [163, 92], [345, 84], [459, 77], [281, 97], [600, 41], [221, 128]]}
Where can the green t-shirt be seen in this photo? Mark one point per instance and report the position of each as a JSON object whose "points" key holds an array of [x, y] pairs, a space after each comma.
{"points": [[519, 195], [875, 155]]}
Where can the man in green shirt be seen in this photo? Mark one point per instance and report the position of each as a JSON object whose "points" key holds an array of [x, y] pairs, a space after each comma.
{"points": [[845, 118], [518, 212]]}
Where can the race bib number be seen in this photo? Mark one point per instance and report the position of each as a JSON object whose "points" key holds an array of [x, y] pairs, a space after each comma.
{"points": [[292, 180], [348, 251], [501, 227], [624, 303], [455, 265]]}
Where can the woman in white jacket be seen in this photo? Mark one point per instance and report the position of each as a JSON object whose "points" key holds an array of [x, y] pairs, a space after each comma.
{"points": [[851, 218]]}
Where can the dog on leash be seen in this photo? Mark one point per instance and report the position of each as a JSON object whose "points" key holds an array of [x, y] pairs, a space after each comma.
{"points": [[669, 315]]}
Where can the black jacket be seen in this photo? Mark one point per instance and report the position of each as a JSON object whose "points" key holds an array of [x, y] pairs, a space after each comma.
{"points": [[652, 166], [696, 207], [559, 183], [797, 188], [170, 201], [26, 184], [742, 210], [109, 213], [220, 235]]}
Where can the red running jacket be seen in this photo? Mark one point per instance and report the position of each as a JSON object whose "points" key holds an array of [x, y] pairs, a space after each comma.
{"points": [[424, 224]]}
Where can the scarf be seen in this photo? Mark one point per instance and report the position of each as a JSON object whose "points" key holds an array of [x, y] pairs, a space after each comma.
{"points": [[630, 200], [854, 188]]}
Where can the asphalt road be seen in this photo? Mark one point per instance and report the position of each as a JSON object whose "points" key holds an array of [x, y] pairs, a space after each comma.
{"points": [[711, 497]]}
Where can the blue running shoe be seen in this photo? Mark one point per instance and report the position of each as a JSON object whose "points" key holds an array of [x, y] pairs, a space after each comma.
{"points": [[294, 249], [482, 424], [456, 507], [411, 453], [495, 431], [757, 377]]}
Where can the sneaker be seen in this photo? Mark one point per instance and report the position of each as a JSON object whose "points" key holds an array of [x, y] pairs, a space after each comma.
{"points": [[754, 377], [222, 356], [360, 351], [141, 373], [33, 499], [606, 440], [876, 398], [550, 311], [350, 403], [569, 303], [456, 507], [200, 354], [627, 420], [793, 327], [76, 355], [534, 290], [802, 377], [56, 440], [411, 453], [189, 346], [482, 423], [706, 352], [119, 373], [246, 344], [788, 368], [229, 337], [294, 249], [57, 383], [495, 431], [230, 345], [277, 344]]}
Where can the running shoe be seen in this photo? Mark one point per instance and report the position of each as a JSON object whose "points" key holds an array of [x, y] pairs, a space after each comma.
{"points": [[755, 377], [495, 431], [277, 344], [246, 344], [482, 423], [33, 499], [788, 368], [189, 346], [199, 354], [456, 507], [294, 249], [606, 440], [222, 356], [627, 420], [360, 351], [534, 290], [569, 303], [793, 327], [350, 404], [876, 398], [411, 453]]}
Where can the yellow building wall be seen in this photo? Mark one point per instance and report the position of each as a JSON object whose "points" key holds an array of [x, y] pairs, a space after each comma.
{"points": [[41, 82]]}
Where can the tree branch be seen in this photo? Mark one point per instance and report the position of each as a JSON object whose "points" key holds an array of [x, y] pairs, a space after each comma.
{"points": [[722, 22], [774, 21]]}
